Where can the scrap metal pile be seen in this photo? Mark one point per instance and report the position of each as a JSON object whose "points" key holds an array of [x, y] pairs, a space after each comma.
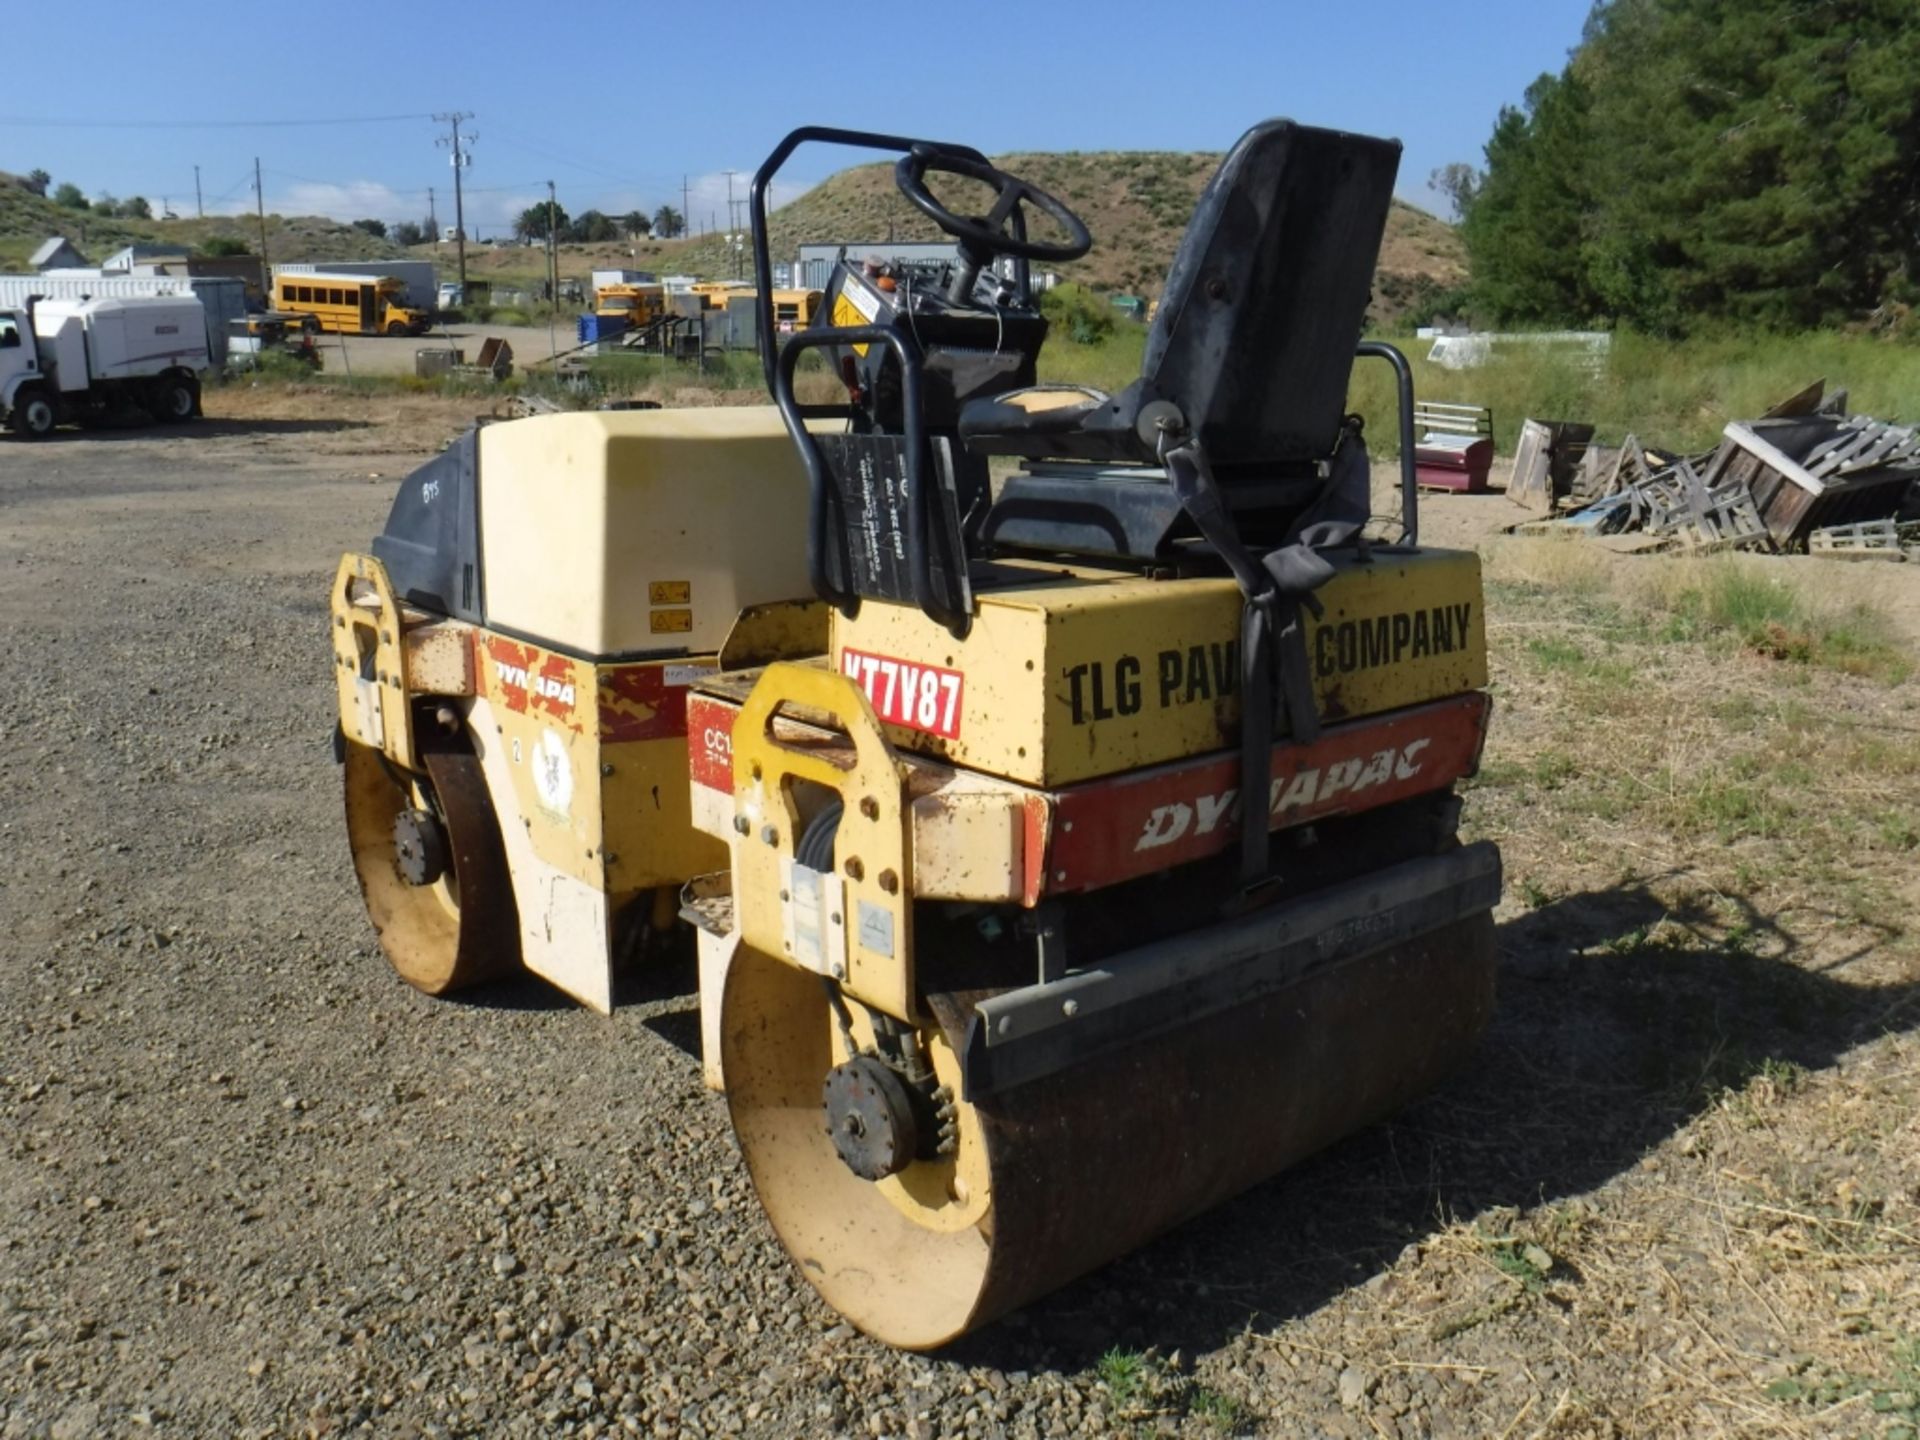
{"points": [[1806, 476]]}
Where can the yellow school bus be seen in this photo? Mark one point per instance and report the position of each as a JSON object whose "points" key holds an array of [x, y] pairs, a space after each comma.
{"points": [[350, 304], [638, 305], [714, 294], [794, 309]]}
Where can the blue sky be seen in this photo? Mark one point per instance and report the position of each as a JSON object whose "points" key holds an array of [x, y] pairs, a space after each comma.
{"points": [[616, 102]]}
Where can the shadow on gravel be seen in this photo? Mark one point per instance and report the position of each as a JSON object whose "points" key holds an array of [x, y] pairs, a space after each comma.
{"points": [[524, 991], [1603, 1044], [203, 429], [669, 973]]}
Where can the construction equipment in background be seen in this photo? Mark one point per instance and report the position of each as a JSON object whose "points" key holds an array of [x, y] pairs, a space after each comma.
{"points": [[512, 660], [78, 360], [1109, 863], [344, 304]]}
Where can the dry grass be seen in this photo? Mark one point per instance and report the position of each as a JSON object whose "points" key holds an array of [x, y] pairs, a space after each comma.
{"points": [[1678, 1192], [1758, 1270]]}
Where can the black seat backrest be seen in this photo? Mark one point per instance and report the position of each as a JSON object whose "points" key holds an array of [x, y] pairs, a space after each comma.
{"points": [[1263, 307]]}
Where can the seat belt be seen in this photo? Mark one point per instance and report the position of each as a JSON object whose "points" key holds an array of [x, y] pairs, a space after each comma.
{"points": [[1273, 638]]}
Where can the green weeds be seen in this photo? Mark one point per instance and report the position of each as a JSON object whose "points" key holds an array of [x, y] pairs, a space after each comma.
{"points": [[1522, 1261], [1144, 1388], [1674, 394], [1769, 616], [1892, 1398], [1123, 1373]]}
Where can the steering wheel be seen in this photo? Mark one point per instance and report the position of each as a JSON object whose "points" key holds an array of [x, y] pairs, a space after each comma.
{"points": [[990, 235]]}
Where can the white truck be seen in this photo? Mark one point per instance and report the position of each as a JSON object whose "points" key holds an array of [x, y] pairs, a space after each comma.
{"points": [[68, 359]]}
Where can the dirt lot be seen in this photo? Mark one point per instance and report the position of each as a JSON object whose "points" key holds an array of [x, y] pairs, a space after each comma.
{"points": [[251, 1185], [393, 355]]}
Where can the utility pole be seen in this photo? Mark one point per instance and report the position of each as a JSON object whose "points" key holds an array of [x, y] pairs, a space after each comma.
{"points": [[553, 260], [686, 211], [553, 277], [260, 205], [461, 157], [733, 225], [433, 221], [199, 208]]}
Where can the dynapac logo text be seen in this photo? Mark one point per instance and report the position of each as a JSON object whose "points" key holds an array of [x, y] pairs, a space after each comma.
{"points": [[1300, 790], [920, 697], [517, 677]]}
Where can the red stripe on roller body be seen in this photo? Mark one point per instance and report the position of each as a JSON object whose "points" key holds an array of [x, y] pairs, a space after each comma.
{"points": [[1122, 828]]}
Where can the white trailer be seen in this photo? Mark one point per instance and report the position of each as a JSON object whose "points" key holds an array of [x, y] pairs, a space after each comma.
{"points": [[67, 359], [604, 278], [416, 275]]}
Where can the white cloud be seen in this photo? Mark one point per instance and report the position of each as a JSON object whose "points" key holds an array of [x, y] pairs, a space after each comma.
{"points": [[356, 200], [706, 201], [491, 212]]}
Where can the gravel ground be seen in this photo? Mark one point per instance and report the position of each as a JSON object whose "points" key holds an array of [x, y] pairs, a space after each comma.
{"points": [[251, 1185], [385, 355]]}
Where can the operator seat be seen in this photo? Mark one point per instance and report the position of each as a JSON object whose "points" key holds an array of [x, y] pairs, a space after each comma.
{"points": [[1251, 350]]}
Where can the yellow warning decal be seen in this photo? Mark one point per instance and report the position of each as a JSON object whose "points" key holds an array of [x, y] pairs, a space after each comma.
{"points": [[856, 304], [669, 592], [670, 622]]}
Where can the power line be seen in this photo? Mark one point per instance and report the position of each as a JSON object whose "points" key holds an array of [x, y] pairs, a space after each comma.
{"points": [[513, 139], [405, 190], [231, 190], [35, 122]]}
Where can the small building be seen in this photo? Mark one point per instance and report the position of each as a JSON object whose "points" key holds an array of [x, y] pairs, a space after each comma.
{"points": [[604, 278], [56, 252], [814, 263], [250, 270], [123, 261]]}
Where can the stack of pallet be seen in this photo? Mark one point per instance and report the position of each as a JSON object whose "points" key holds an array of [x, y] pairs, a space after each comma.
{"points": [[1806, 476]]}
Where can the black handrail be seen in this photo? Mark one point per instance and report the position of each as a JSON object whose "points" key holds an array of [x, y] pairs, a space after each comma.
{"points": [[757, 202], [821, 531], [1409, 480]]}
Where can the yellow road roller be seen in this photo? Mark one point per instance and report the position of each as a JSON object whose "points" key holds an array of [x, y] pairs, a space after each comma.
{"points": [[1106, 861], [513, 659]]}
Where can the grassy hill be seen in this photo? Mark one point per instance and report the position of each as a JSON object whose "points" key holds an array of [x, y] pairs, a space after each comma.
{"points": [[1136, 203], [26, 219]]}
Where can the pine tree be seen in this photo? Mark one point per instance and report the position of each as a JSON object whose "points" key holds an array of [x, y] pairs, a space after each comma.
{"points": [[1749, 161]]}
